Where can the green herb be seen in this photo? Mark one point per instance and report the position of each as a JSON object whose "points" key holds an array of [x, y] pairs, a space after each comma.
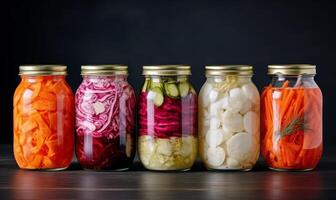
{"points": [[297, 124]]}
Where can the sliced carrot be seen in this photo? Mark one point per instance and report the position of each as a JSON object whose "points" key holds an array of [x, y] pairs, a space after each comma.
{"points": [[38, 108], [295, 103]]}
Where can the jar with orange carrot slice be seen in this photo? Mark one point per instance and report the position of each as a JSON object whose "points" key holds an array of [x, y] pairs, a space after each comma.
{"points": [[291, 118], [43, 111]]}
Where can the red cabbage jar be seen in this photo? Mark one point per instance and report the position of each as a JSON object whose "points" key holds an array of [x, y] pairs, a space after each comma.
{"points": [[167, 119], [105, 119]]}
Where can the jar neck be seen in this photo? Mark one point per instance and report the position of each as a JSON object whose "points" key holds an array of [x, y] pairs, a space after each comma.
{"points": [[226, 78], [114, 77], [33, 79], [303, 80], [157, 78]]}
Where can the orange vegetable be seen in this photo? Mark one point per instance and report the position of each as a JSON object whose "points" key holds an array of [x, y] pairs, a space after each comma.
{"points": [[291, 127], [43, 123]]}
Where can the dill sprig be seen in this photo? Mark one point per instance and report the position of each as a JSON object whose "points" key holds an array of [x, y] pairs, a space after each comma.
{"points": [[297, 124]]}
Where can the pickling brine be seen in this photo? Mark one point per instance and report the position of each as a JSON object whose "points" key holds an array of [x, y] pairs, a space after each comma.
{"points": [[292, 119], [105, 118], [229, 118], [43, 118], [167, 119]]}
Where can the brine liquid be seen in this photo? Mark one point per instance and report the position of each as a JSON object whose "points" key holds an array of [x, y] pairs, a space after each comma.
{"points": [[43, 123], [291, 126], [105, 109]]}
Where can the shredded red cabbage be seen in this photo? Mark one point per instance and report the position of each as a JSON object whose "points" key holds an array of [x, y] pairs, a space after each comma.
{"points": [[176, 117], [105, 123]]}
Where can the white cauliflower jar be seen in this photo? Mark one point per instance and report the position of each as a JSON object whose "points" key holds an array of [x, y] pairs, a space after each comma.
{"points": [[229, 115]]}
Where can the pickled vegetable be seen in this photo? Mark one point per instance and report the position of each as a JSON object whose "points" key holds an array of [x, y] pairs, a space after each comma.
{"points": [[105, 123], [291, 127], [229, 124], [167, 128], [43, 123], [184, 88]]}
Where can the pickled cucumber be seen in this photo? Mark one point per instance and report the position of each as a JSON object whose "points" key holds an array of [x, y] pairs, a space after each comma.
{"points": [[171, 90], [146, 85], [156, 95], [184, 88]]}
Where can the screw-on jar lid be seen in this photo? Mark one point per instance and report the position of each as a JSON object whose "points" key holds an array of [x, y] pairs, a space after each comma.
{"points": [[42, 70], [166, 70], [104, 70], [218, 70], [292, 69]]}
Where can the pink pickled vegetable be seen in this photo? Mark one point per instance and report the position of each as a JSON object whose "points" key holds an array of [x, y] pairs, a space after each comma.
{"points": [[176, 117], [105, 123]]}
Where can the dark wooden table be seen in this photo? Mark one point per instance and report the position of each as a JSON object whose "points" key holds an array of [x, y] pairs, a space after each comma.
{"points": [[138, 183]]}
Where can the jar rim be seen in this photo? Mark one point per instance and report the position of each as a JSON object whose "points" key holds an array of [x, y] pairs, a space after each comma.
{"points": [[105, 69], [166, 70], [292, 69], [219, 70], [42, 70]]}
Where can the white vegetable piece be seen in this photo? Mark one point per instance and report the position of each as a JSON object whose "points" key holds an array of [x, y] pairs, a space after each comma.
{"points": [[214, 137], [99, 107], [147, 153], [251, 92], [214, 123], [164, 147], [251, 122], [232, 121], [215, 108], [187, 146], [205, 94], [236, 100], [226, 134], [232, 163], [246, 106], [236, 93], [215, 156], [225, 102], [239, 146], [213, 95]]}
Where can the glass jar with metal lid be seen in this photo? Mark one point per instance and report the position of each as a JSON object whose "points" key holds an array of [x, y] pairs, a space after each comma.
{"points": [[228, 118], [105, 118], [43, 118], [167, 118], [291, 118]]}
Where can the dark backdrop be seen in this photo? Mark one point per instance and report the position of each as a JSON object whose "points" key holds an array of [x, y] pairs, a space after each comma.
{"points": [[135, 33]]}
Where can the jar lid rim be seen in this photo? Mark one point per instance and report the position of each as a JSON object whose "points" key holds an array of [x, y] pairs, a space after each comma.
{"points": [[40, 69], [217, 70], [104, 69], [292, 69], [166, 70]]}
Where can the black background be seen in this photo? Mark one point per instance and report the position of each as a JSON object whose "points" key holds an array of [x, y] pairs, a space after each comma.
{"points": [[168, 32]]}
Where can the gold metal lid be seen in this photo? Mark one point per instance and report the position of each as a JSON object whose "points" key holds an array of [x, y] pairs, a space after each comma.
{"points": [[292, 69], [167, 70], [219, 70], [42, 70], [104, 70]]}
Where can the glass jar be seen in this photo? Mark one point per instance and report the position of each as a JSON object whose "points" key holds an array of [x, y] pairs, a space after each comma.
{"points": [[229, 113], [167, 119], [43, 118], [105, 118], [291, 118]]}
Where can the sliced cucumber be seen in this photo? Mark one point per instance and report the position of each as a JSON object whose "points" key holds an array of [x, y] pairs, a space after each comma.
{"points": [[192, 90], [156, 85], [171, 90], [184, 88], [146, 85], [156, 95]]}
